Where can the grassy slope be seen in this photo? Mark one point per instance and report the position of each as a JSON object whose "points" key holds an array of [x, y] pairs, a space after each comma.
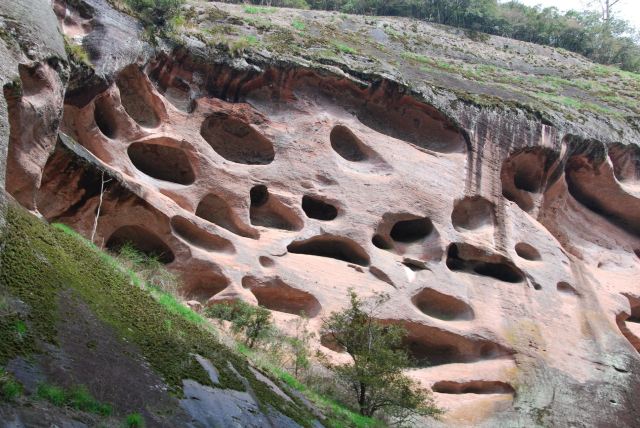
{"points": [[39, 262], [490, 71]]}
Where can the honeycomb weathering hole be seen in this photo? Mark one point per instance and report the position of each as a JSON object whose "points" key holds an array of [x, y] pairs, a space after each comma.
{"points": [[408, 231], [416, 123], [526, 172], [442, 306], [466, 258], [629, 323], [136, 97], [347, 145], [472, 213], [565, 287], [206, 286], [267, 211], [472, 387], [331, 246], [318, 209], [216, 210], [237, 141], [141, 239], [194, 235], [104, 116], [277, 295], [527, 252], [626, 162], [162, 162]]}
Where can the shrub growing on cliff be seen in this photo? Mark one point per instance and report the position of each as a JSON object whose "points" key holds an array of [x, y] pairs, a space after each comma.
{"points": [[157, 13], [374, 375], [253, 322]]}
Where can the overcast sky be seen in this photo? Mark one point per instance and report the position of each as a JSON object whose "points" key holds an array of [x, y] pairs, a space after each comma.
{"points": [[626, 9]]}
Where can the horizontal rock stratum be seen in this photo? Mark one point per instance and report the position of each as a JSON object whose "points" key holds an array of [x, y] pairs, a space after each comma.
{"points": [[505, 230]]}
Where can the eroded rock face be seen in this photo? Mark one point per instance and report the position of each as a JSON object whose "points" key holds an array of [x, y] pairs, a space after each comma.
{"points": [[510, 251]]}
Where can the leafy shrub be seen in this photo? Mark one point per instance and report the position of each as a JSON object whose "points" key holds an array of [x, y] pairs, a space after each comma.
{"points": [[10, 389], [134, 420], [157, 13], [253, 322], [374, 374]]}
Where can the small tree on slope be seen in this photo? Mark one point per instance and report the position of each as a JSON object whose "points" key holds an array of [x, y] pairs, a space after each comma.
{"points": [[374, 374]]}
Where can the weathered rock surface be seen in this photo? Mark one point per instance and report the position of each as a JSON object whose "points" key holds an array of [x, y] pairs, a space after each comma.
{"points": [[509, 245]]}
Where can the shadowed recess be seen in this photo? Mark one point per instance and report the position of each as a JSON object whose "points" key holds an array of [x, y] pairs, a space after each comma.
{"points": [[472, 212], [237, 141], [525, 172], [629, 322], [143, 240], [207, 285], [408, 231], [527, 251], [162, 162], [442, 306], [431, 346], [473, 387], [136, 97], [199, 237], [267, 211], [318, 209], [466, 258], [105, 118], [565, 287], [276, 295], [347, 145], [216, 210], [331, 246]]}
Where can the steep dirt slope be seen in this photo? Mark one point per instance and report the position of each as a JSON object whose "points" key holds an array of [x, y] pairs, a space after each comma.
{"points": [[502, 219]]}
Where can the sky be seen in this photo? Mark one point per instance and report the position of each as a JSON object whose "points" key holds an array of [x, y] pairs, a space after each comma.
{"points": [[628, 10]]}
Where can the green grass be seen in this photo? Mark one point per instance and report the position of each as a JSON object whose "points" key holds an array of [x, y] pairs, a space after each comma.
{"points": [[10, 389], [345, 48], [76, 398], [39, 262], [258, 10], [134, 420], [298, 25]]}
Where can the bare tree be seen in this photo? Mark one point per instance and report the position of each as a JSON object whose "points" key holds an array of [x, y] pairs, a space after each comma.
{"points": [[95, 222]]}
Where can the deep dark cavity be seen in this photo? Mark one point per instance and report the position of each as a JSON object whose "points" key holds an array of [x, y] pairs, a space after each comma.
{"points": [[136, 97], [216, 210], [142, 240], [347, 145], [331, 246], [268, 211], [478, 262], [236, 141], [105, 118], [162, 162], [528, 171], [565, 287], [381, 242], [207, 285], [408, 231], [442, 306], [318, 209]]}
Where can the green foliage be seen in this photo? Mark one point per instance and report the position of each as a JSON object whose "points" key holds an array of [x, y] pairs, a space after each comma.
{"points": [[254, 323], [10, 389], [77, 398], [161, 14], [298, 25], [378, 357], [299, 345], [76, 52], [345, 48], [134, 420], [243, 43], [258, 10]]}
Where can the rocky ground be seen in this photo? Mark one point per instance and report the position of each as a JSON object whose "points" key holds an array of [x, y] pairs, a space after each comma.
{"points": [[282, 157]]}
